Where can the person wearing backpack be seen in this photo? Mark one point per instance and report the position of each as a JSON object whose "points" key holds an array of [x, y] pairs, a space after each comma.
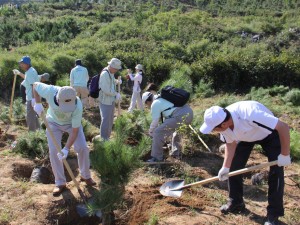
{"points": [[79, 77], [136, 90], [173, 118], [108, 96]]}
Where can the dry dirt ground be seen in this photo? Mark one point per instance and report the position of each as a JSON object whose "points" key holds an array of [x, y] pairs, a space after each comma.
{"points": [[24, 202]]}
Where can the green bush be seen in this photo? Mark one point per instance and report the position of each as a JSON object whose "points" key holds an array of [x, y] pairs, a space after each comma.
{"points": [[295, 144], [293, 96], [89, 130], [33, 144], [4, 115], [19, 110], [204, 89]]}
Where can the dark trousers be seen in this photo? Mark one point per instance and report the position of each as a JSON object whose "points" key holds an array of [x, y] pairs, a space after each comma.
{"points": [[271, 147]]}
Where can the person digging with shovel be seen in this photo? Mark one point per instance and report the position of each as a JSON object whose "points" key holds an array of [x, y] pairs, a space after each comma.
{"points": [[63, 115], [241, 126]]}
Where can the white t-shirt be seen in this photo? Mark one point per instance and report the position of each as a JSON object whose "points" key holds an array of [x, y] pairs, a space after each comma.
{"points": [[252, 122], [79, 76], [31, 76], [54, 114]]}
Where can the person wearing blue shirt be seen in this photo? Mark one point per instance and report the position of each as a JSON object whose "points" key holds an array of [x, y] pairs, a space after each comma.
{"points": [[174, 117], [29, 77], [63, 115]]}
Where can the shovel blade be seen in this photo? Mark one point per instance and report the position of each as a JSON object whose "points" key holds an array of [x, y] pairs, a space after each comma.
{"points": [[172, 188]]}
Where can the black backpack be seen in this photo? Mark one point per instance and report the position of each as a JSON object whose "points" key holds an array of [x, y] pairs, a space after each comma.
{"points": [[177, 96], [94, 85]]}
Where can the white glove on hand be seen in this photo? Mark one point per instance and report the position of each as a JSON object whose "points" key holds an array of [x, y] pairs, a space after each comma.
{"points": [[32, 102], [119, 81], [284, 160], [223, 173], [16, 72], [118, 97], [38, 108], [64, 154]]}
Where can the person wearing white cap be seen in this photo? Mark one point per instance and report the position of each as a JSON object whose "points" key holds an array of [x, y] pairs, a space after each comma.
{"points": [[108, 96], [29, 77], [63, 115], [79, 77], [136, 90], [241, 126], [174, 117]]}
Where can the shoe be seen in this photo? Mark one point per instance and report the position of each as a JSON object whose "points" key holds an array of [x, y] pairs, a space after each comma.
{"points": [[89, 181], [232, 208], [271, 220], [58, 190], [153, 159]]}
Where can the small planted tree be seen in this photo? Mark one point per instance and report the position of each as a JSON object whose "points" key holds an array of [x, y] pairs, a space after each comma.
{"points": [[114, 161]]}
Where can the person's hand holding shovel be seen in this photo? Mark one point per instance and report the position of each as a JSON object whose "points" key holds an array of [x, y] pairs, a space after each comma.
{"points": [[64, 154]]}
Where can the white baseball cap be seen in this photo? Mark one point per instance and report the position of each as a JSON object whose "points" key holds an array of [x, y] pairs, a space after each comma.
{"points": [[213, 116], [145, 96], [139, 67], [115, 63], [66, 97]]}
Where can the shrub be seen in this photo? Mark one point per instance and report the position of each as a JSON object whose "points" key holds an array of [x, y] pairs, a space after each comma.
{"points": [[19, 111], [180, 78], [293, 96], [89, 130], [33, 144], [204, 89], [278, 90], [63, 81], [4, 115], [295, 144]]}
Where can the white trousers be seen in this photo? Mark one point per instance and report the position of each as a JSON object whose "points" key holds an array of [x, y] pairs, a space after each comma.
{"points": [[136, 97], [80, 148]]}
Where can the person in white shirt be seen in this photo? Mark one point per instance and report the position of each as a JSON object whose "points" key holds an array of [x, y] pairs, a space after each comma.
{"points": [[29, 77], [108, 96], [63, 115], [136, 90], [174, 117], [79, 77], [241, 126]]}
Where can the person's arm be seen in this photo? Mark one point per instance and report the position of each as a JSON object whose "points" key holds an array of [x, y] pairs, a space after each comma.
{"points": [[105, 84], [36, 95], [153, 125], [72, 137], [284, 136], [229, 154]]}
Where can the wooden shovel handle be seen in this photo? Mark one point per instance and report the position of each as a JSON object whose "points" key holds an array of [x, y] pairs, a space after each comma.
{"points": [[119, 102], [12, 96], [58, 148], [234, 173]]}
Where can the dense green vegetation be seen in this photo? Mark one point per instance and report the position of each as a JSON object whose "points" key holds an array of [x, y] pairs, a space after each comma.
{"points": [[202, 37]]}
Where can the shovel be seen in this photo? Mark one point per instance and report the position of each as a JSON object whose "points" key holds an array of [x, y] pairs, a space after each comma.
{"points": [[174, 188], [12, 97], [82, 210]]}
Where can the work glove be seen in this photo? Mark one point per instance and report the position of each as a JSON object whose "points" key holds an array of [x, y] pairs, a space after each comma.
{"points": [[284, 160], [64, 154], [118, 97], [223, 173], [32, 102], [38, 108], [16, 72]]}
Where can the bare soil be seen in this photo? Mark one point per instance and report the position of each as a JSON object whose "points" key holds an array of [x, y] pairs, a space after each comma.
{"points": [[24, 202]]}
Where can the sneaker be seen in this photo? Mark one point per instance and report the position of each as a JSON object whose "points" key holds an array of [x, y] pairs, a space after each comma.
{"points": [[271, 220], [153, 159], [232, 208], [58, 190], [89, 181]]}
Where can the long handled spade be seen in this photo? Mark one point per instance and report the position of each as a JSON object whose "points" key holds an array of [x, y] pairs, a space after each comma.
{"points": [[12, 97], [174, 188], [81, 209], [119, 102]]}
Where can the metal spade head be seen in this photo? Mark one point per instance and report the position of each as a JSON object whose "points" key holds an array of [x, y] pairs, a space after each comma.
{"points": [[172, 188]]}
